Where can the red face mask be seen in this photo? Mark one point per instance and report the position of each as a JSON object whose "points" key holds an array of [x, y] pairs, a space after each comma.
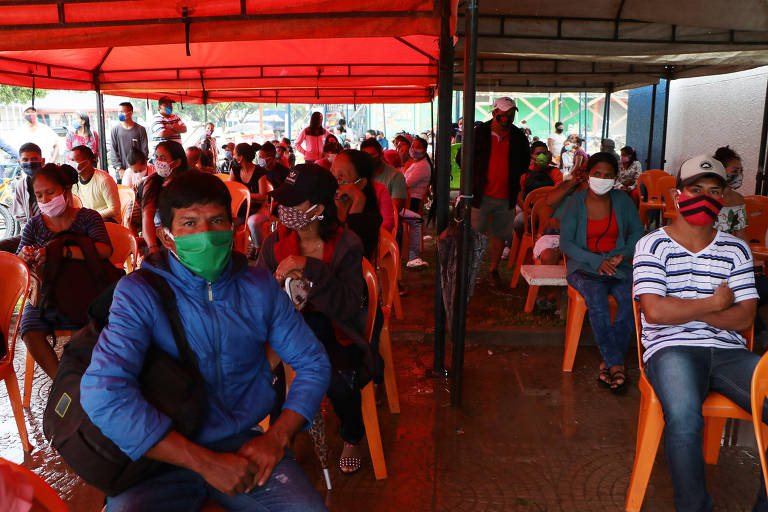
{"points": [[699, 210]]}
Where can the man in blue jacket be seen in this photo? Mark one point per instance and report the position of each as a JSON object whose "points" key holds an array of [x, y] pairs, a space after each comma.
{"points": [[229, 312]]}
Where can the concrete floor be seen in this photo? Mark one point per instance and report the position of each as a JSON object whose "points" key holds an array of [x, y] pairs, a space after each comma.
{"points": [[527, 438]]}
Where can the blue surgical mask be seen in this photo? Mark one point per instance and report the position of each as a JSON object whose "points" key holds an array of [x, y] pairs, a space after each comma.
{"points": [[29, 168], [228, 155], [168, 110], [76, 126], [121, 117]]}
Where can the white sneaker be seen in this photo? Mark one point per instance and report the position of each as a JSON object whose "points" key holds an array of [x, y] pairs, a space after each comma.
{"points": [[505, 254], [416, 263]]}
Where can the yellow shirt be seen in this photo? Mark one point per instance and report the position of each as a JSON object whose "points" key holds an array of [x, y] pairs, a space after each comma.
{"points": [[100, 194]]}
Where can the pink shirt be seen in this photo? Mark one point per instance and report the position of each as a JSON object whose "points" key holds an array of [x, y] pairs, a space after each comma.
{"points": [[385, 205], [314, 149]]}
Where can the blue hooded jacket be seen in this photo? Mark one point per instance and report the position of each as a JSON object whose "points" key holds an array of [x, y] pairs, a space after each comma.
{"points": [[227, 323]]}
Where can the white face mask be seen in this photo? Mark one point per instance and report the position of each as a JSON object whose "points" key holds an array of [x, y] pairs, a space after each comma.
{"points": [[262, 163], [163, 168], [331, 157], [140, 174], [54, 207], [601, 186]]}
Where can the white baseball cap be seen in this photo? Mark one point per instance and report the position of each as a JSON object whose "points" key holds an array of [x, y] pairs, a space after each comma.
{"points": [[699, 166], [504, 104]]}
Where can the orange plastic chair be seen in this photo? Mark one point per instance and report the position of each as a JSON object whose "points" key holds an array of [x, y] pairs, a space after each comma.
{"points": [[757, 219], [125, 250], [370, 415], [240, 194], [396, 303], [759, 393], [650, 179], [43, 493], [540, 216], [388, 258], [14, 286], [525, 242], [668, 184], [222, 176], [716, 409], [577, 308], [127, 198], [76, 201]]}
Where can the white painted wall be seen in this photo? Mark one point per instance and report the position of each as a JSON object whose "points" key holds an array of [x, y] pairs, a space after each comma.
{"points": [[712, 111]]}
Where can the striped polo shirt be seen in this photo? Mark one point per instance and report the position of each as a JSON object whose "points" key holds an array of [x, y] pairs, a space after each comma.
{"points": [[160, 123], [664, 267]]}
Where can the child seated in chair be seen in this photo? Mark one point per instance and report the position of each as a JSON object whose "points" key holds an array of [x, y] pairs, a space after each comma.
{"points": [[696, 289]]}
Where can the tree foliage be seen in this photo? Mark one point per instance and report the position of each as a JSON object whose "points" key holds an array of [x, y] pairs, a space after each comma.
{"points": [[13, 94]]}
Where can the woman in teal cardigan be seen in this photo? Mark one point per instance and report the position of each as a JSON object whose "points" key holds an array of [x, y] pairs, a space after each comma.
{"points": [[598, 233]]}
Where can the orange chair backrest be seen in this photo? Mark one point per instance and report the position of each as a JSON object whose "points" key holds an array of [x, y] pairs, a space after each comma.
{"points": [[749, 334], [42, 492], [388, 258], [651, 180], [127, 198], [540, 216], [13, 286], [124, 245], [76, 201], [369, 275], [240, 194], [668, 184], [222, 176], [758, 394], [530, 200], [397, 220], [757, 218]]}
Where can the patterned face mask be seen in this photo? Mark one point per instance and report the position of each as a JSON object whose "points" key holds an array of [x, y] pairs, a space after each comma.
{"points": [[295, 219]]}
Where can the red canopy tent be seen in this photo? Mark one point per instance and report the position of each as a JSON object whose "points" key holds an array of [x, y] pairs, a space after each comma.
{"points": [[232, 50]]}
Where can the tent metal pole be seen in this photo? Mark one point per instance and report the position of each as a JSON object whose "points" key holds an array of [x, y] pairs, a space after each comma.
{"points": [[667, 84], [465, 203], [760, 179], [290, 137], [432, 121], [443, 161], [384, 121], [100, 120], [650, 128], [607, 116]]}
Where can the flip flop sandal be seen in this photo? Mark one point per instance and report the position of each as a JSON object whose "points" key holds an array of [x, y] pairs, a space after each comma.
{"points": [[604, 378], [350, 462], [619, 383]]}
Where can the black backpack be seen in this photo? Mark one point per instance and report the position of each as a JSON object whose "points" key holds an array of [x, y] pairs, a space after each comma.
{"points": [[175, 387], [70, 285]]}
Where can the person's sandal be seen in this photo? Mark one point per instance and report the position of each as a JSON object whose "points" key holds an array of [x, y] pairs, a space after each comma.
{"points": [[350, 465], [618, 382], [604, 377]]}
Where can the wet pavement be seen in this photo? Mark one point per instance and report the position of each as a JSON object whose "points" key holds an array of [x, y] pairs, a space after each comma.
{"points": [[527, 438]]}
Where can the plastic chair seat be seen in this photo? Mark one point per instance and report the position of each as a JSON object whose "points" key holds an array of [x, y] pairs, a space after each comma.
{"points": [[577, 308], [541, 275]]}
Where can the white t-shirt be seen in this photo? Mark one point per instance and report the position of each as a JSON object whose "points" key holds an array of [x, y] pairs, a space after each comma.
{"points": [[418, 176], [664, 267], [42, 135], [558, 139]]}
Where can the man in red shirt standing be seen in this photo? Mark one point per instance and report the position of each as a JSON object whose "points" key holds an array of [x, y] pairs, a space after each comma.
{"points": [[501, 158]]}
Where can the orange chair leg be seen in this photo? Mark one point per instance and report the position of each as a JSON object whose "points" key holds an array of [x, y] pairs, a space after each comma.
{"points": [[513, 248], [522, 254], [390, 383], [29, 375], [372, 432], [649, 429], [643, 212], [18, 413], [397, 306], [577, 308], [712, 437], [533, 292]]}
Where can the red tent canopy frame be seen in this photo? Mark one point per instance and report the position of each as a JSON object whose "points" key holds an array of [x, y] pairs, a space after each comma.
{"points": [[229, 50]]}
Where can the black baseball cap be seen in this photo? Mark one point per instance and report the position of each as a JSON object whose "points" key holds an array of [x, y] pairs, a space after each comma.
{"points": [[306, 182]]}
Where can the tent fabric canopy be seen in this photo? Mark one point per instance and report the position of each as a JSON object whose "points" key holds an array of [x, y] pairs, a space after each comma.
{"points": [[605, 45], [265, 51]]}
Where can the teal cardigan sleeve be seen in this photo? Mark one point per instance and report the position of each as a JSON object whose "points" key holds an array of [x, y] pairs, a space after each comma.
{"points": [[629, 221]]}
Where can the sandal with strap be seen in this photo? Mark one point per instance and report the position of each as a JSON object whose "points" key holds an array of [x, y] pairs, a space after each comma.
{"points": [[350, 465], [619, 382], [604, 377]]}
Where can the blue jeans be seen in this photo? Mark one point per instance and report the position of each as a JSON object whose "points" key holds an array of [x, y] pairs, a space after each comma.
{"points": [[287, 490], [681, 378], [612, 340]]}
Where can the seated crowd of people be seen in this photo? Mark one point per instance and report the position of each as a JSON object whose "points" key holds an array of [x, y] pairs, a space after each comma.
{"points": [[311, 226]]}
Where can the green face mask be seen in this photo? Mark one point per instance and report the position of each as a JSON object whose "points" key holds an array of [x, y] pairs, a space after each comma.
{"points": [[542, 160], [206, 253]]}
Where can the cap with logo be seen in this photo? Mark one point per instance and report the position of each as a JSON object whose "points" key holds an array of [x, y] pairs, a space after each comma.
{"points": [[504, 104], [699, 167], [306, 182]]}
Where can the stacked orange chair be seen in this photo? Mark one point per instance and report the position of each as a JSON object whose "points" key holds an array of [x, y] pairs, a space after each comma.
{"points": [[651, 180], [523, 244], [716, 409], [14, 286], [757, 224]]}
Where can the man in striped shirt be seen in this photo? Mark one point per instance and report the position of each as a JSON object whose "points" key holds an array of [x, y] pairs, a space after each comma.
{"points": [[165, 124], [696, 289]]}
